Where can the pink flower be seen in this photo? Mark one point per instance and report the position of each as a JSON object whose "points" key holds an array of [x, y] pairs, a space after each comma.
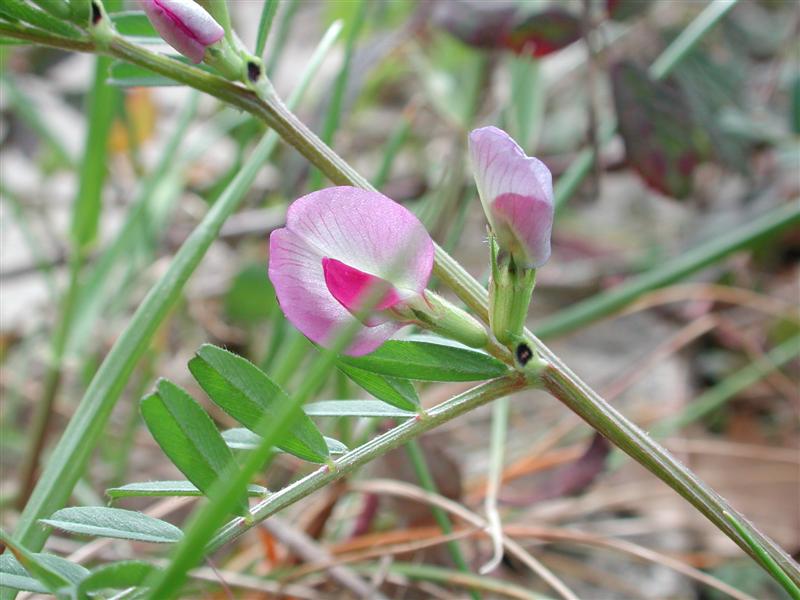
{"points": [[517, 195], [341, 246], [184, 25]]}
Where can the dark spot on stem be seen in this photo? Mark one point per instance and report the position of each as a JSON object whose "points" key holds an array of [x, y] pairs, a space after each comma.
{"points": [[524, 354], [253, 71], [97, 14]]}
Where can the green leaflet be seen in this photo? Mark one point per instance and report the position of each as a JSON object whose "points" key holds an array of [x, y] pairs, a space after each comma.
{"points": [[188, 436], [245, 392], [428, 362], [118, 523]]}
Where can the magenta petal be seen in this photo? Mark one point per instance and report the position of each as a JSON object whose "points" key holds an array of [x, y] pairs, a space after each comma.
{"points": [[366, 233], [524, 218], [352, 287], [184, 25]]}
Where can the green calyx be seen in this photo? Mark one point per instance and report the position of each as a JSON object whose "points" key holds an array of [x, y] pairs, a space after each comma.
{"points": [[227, 60], [510, 291], [432, 312]]}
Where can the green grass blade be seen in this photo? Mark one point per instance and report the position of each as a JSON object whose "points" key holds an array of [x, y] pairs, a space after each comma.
{"points": [[391, 150], [334, 113], [661, 67], [676, 269], [103, 102], [689, 37], [769, 565], [284, 28], [726, 389], [69, 457], [423, 473], [264, 25]]}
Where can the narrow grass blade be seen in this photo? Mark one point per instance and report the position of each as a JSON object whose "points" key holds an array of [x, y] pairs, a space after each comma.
{"points": [[103, 104], [69, 457], [769, 565], [334, 113], [264, 25], [716, 396], [284, 29], [423, 473], [676, 269]]}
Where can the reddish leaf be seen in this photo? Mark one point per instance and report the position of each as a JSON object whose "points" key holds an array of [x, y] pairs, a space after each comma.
{"points": [[622, 10], [662, 141], [508, 25], [543, 32], [569, 479], [478, 24]]}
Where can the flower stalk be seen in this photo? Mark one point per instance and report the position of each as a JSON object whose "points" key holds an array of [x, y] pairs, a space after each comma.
{"points": [[432, 312], [510, 290]]}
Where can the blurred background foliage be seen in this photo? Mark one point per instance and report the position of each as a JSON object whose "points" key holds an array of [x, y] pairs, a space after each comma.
{"points": [[102, 178]]}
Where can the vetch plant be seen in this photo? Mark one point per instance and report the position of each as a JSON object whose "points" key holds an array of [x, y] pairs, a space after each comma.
{"points": [[350, 269]]}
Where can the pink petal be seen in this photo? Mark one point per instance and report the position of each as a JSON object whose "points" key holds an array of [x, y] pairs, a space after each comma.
{"points": [[184, 25], [352, 287], [525, 216], [364, 231], [530, 220]]}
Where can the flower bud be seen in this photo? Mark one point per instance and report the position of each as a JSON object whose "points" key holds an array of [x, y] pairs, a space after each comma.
{"points": [[432, 312], [184, 25], [517, 195]]}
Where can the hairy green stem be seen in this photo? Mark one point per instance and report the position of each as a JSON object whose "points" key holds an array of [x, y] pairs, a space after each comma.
{"points": [[638, 445]]}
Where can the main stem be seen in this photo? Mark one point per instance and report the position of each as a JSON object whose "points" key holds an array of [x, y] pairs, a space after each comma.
{"points": [[560, 380]]}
